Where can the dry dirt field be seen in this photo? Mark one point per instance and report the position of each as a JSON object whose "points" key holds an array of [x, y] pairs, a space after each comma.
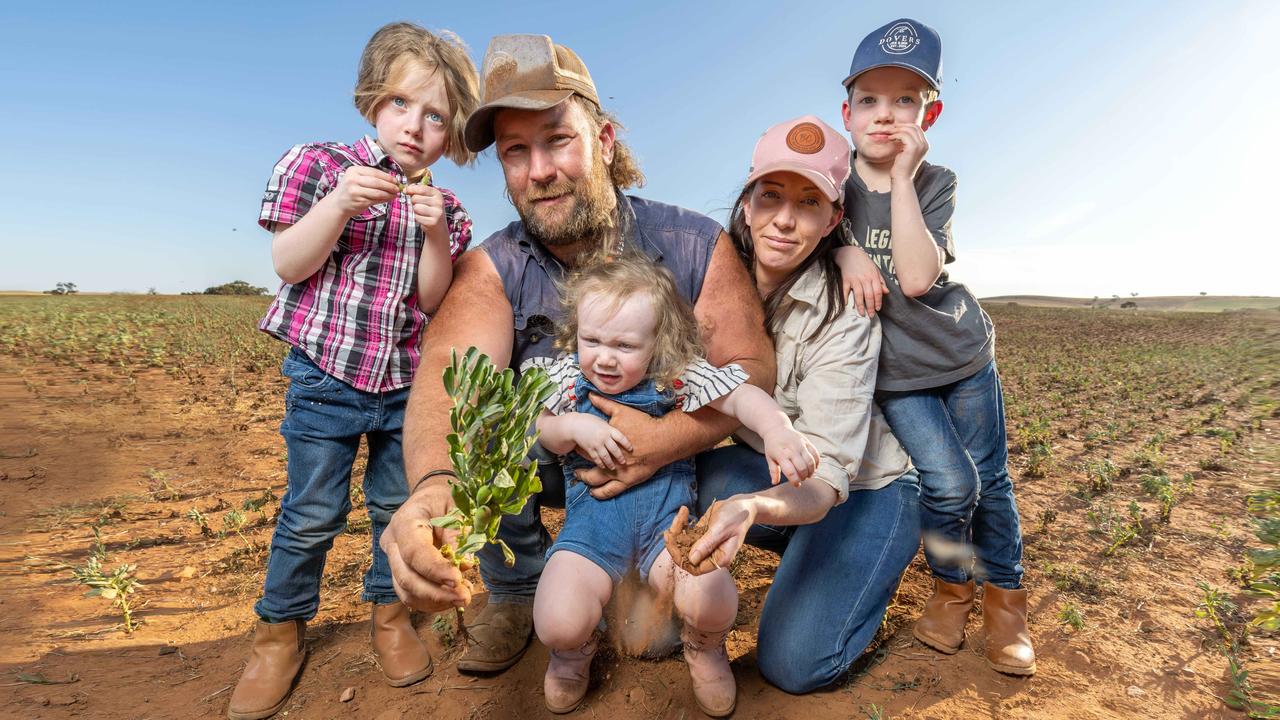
{"points": [[142, 432]]}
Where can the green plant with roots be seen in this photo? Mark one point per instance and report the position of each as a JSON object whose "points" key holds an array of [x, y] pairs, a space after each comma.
{"points": [[1264, 572], [116, 586], [491, 419]]}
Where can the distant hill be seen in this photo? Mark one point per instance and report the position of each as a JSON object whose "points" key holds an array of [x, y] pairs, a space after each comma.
{"points": [[1185, 303]]}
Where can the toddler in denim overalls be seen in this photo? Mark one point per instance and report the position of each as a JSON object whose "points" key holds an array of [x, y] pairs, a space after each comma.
{"points": [[637, 345]]}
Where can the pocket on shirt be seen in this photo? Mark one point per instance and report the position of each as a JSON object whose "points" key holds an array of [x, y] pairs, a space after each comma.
{"points": [[363, 230]]}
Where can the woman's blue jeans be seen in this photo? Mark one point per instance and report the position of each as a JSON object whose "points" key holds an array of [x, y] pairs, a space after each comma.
{"points": [[835, 577], [323, 421], [955, 435]]}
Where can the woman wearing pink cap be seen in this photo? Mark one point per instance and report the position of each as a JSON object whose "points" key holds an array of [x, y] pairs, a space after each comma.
{"points": [[848, 532]]}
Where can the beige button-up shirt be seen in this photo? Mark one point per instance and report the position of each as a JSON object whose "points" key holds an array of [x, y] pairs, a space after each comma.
{"points": [[826, 377]]}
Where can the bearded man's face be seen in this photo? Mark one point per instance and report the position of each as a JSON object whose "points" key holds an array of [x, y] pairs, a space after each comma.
{"points": [[556, 167]]}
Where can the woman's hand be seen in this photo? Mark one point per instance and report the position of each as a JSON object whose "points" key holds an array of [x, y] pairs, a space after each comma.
{"points": [[862, 278], [727, 523]]}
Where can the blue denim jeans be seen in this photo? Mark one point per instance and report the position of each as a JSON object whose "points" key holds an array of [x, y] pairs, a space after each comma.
{"points": [[323, 421], [835, 577], [955, 436], [623, 532]]}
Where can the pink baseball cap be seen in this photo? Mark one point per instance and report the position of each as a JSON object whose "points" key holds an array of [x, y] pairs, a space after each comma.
{"points": [[805, 146]]}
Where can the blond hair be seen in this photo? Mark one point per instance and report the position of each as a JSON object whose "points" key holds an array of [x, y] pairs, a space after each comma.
{"points": [[625, 170], [616, 279], [383, 62]]}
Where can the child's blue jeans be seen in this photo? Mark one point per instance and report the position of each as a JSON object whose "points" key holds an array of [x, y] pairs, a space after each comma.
{"points": [[955, 435], [624, 531], [323, 421]]}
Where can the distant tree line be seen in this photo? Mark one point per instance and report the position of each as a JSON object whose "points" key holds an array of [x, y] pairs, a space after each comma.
{"points": [[235, 287], [63, 288]]}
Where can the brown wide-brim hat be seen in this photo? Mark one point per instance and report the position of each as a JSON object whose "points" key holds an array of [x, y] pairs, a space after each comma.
{"points": [[525, 72]]}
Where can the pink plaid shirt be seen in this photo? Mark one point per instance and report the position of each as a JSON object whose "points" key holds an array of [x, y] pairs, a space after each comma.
{"points": [[357, 317]]}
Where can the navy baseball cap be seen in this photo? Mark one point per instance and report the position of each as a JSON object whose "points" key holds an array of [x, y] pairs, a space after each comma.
{"points": [[904, 43]]}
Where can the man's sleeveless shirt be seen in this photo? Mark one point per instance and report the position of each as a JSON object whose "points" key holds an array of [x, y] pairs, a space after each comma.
{"points": [[678, 239]]}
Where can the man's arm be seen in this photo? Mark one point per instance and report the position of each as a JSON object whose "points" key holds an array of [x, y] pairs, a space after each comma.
{"points": [[732, 324], [474, 312]]}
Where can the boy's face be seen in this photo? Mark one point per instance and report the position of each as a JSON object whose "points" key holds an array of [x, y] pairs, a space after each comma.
{"points": [[616, 344], [881, 99], [412, 122]]}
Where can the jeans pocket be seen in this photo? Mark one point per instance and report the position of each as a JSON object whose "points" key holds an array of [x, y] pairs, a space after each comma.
{"points": [[303, 373]]}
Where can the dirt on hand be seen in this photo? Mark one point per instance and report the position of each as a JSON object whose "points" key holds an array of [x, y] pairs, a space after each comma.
{"points": [[681, 538]]}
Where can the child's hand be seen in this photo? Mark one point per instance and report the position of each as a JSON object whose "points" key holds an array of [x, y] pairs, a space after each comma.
{"points": [[861, 277], [598, 441], [789, 453], [910, 139], [359, 187], [428, 210]]}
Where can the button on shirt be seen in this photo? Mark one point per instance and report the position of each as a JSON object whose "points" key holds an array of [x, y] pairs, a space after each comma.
{"points": [[357, 317], [826, 378]]}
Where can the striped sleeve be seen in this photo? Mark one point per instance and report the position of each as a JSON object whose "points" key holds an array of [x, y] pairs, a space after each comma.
{"points": [[299, 179], [563, 372], [701, 382]]}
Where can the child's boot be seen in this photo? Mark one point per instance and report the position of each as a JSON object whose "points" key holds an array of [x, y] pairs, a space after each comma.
{"points": [[714, 687], [1004, 619], [568, 674], [274, 663], [401, 653], [941, 625]]}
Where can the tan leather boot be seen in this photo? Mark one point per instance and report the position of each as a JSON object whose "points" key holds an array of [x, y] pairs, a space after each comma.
{"points": [[401, 653], [568, 676], [1004, 620], [941, 625], [499, 636], [714, 687], [274, 662]]}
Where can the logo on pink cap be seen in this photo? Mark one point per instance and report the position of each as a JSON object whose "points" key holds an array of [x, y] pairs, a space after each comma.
{"points": [[806, 138], [808, 147]]}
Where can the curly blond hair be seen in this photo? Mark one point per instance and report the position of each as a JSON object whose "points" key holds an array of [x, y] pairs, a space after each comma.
{"points": [[614, 279], [384, 61]]}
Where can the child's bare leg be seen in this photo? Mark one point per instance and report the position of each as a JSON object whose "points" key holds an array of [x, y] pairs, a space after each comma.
{"points": [[708, 605], [567, 607]]}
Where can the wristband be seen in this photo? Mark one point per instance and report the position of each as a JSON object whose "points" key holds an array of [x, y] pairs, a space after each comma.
{"points": [[428, 476]]}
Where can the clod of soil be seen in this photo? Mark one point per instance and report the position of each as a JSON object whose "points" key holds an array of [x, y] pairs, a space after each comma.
{"points": [[681, 538]]}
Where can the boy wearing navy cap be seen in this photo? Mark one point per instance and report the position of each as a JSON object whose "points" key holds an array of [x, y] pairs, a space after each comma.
{"points": [[937, 382]]}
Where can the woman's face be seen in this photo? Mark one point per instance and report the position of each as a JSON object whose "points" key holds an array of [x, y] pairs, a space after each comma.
{"points": [[788, 216]]}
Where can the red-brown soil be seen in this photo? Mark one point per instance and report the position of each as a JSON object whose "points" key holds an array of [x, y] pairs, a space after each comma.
{"points": [[80, 448]]}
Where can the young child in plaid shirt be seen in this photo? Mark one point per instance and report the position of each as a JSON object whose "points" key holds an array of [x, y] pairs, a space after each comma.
{"points": [[365, 245]]}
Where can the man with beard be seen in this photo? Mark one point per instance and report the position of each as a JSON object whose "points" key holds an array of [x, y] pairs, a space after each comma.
{"points": [[565, 169]]}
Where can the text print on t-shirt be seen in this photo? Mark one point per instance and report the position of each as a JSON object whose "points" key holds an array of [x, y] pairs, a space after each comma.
{"points": [[879, 246]]}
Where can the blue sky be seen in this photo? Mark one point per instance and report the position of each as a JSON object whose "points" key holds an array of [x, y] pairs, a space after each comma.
{"points": [[1102, 148]]}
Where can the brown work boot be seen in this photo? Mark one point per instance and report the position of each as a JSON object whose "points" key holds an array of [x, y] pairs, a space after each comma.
{"points": [[714, 687], [941, 625], [274, 663], [401, 653], [499, 636], [568, 676], [1004, 619]]}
